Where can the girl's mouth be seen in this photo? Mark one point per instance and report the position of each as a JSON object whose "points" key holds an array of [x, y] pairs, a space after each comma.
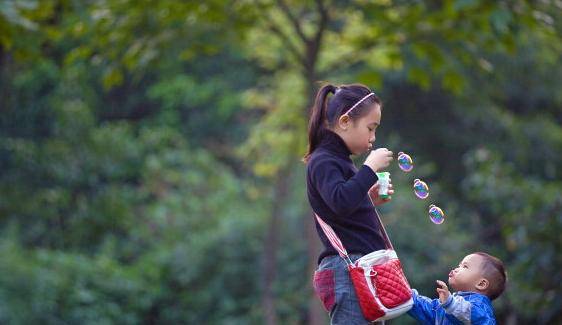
{"points": [[451, 274]]}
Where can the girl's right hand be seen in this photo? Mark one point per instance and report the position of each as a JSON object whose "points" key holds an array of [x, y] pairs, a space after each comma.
{"points": [[378, 159]]}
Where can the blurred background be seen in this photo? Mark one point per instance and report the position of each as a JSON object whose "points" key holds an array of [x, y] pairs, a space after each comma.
{"points": [[150, 152]]}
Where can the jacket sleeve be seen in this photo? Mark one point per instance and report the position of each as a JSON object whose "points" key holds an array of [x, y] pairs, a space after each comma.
{"points": [[459, 309], [424, 310], [342, 196]]}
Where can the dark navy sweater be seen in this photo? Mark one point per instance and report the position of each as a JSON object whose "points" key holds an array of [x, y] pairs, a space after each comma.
{"points": [[337, 192]]}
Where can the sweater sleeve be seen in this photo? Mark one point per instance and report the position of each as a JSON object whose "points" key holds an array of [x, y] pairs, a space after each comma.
{"points": [[342, 196], [467, 312], [457, 308]]}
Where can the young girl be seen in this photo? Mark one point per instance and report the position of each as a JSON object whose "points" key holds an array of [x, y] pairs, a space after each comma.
{"points": [[341, 125]]}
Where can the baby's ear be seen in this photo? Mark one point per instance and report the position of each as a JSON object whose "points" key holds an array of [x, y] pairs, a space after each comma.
{"points": [[482, 284]]}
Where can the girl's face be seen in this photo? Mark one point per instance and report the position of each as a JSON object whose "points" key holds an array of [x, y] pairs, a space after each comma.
{"points": [[359, 134]]}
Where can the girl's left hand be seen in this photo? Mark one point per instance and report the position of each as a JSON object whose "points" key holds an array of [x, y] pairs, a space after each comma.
{"points": [[374, 193]]}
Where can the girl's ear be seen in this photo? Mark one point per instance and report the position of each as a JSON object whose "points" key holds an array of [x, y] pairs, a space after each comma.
{"points": [[344, 121], [483, 284]]}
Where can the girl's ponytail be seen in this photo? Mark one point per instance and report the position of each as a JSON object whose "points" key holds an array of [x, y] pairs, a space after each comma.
{"points": [[317, 122]]}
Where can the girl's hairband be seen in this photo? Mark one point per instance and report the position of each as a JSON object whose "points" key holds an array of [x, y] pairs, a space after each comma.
{"points": [[357, 104]]}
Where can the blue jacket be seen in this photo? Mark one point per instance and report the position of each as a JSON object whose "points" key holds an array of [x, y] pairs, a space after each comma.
{"points": [[460, 308]]}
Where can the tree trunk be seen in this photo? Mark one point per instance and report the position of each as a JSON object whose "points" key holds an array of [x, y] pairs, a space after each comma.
{"points": [[5, 65], [316, 313], [271, 245], [308, 62], [511, 318]]}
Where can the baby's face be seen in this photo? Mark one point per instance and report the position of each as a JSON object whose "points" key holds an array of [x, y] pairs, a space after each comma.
{"points": [[467, 275]]}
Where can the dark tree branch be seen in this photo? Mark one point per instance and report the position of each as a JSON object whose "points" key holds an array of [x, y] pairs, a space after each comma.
{"points": [[344, 62], [268, 20], [323, 21], [313, 46], [296, 24], [285, 39]]}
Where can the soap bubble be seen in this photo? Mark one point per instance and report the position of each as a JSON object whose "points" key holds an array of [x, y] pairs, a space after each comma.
{"points": [[405, 162], [421, 189], [436, 215]]}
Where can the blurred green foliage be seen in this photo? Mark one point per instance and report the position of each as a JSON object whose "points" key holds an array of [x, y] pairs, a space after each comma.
{"points": [[142, 145]]}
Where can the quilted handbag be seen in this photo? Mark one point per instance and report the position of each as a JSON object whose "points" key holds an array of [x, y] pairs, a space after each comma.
{"points": [[380, 284]]}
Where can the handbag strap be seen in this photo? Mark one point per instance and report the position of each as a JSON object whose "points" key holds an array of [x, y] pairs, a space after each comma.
{"points": [[334, 239], [387, 241], [336, 242]]}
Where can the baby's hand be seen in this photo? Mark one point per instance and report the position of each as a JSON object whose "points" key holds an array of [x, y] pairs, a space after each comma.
{"points": [[443, 291], [374, 193]]}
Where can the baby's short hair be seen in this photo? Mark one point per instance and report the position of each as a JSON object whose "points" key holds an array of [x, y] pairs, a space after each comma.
{"points": [[494, 271]]}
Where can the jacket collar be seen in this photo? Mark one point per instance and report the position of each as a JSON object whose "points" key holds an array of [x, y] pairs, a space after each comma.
{"points": [[335, 144], [476, 294]]}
